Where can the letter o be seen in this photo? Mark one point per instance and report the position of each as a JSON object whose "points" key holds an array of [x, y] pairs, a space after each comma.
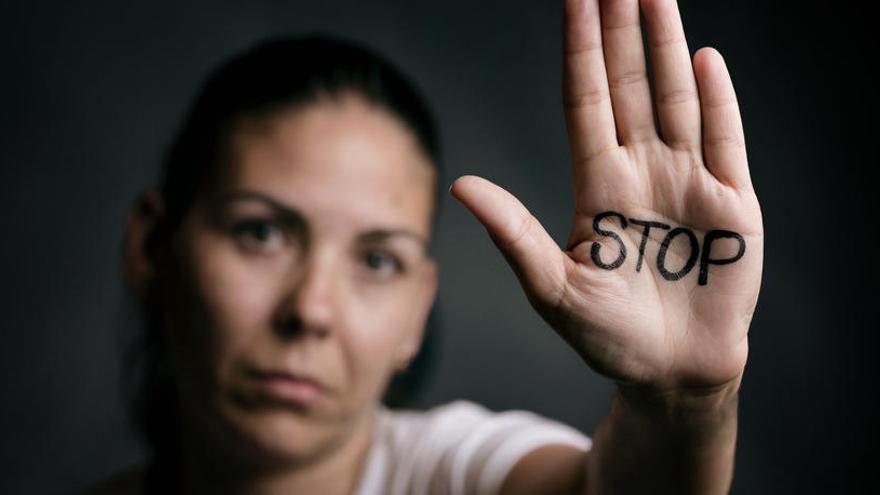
{"points": [[691, 262]]}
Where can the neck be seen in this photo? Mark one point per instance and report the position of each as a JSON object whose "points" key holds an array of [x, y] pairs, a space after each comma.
{"points": [[207, 469]]}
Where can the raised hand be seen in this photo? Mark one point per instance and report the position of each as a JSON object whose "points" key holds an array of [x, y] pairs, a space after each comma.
{"points": [[659, 279]]}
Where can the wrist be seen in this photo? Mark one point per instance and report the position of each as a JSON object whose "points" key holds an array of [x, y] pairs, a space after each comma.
{"points": [[679, 403]]}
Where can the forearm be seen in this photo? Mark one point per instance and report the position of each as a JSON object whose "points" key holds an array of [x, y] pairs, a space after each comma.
{"points": [[665, 443]]}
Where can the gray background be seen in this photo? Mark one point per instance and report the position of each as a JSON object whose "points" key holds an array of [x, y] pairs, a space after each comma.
{"points": [[92, 91]]}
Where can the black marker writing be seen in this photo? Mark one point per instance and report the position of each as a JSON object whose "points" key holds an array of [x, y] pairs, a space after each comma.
{"points": [[692, 260], [705, 260], [594, 250], [704, 255], [645, 233]]}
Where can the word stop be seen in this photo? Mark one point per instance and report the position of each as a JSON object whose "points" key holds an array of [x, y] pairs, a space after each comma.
{"points": [[705, 256]]}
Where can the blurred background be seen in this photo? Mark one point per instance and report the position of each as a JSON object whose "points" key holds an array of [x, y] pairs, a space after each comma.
{"points": [[92, 91]]}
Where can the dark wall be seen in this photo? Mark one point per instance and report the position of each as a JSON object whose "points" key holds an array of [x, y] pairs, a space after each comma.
{"points": [[92, 91]]}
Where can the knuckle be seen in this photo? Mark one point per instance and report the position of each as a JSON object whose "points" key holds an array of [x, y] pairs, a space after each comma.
{"points": [[578, 100], [670, 42], [628, 78], [678, 96], [522, 231], [723, 141]]}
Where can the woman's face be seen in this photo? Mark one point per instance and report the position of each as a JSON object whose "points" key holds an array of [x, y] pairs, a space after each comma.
{"points": [[309, 259]]}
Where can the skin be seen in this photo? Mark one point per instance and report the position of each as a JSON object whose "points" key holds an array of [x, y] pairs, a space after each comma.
{"points": [[340, 291], [676, 351]]}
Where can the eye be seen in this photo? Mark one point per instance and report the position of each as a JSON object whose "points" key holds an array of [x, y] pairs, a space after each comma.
{"points": [[259, 234], [382, 263]]}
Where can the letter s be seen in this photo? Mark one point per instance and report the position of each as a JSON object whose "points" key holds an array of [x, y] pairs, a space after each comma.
{"points": [[594, 250]]}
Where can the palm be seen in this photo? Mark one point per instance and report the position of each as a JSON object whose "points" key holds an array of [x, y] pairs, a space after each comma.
{"points": [[643, 326], [670, 319]]}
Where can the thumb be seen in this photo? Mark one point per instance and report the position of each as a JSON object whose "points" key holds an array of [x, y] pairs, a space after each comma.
{"points": [[531, 252]]}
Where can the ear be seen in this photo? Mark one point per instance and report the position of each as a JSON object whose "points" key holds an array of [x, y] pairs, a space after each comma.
{"points": [[138, 265], [424, 300]]}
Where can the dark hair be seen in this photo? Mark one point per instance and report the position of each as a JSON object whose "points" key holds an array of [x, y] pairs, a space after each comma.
{"points": [[274, 75], [279, 74]]}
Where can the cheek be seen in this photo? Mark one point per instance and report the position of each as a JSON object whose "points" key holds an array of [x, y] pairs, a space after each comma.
{"points": [[378, 325], [228, 306], [237, 300]]}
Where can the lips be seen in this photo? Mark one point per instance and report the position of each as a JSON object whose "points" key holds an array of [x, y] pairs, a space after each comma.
{"points": [[292, 388]]}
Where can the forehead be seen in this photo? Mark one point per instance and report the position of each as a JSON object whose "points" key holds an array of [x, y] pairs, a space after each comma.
{"points": [[343, 163]]}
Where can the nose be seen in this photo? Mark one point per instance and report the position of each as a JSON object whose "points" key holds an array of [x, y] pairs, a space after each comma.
{"points": [[309, 305]]}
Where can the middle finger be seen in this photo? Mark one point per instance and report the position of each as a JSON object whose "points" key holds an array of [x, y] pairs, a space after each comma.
{"points": [[627, 70]]}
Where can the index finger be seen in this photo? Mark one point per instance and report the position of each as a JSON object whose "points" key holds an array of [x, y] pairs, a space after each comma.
{"points": [[588, 111]]}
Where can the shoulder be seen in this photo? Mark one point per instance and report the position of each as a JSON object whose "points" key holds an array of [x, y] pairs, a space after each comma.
{"points": [[466, 447], [127, 482], [458, 420]]}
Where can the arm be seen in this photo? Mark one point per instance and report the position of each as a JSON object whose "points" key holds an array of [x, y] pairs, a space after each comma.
{"points": [[659, 279], [664, 445], [644, 445]]}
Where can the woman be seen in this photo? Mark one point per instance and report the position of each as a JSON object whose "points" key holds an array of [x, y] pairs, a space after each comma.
{"points": [[284, 270]]}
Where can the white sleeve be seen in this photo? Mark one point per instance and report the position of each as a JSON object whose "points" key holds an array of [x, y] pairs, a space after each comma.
{"points": [[467, 449]]}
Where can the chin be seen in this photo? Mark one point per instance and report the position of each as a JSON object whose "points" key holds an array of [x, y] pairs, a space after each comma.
{"points": [[276, 435]]}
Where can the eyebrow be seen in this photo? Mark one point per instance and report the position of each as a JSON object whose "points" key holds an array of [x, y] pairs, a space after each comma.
{"points": [[295, 219]]}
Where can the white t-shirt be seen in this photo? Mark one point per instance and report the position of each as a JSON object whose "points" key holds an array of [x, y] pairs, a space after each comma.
{"points": [[458, 448]]}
